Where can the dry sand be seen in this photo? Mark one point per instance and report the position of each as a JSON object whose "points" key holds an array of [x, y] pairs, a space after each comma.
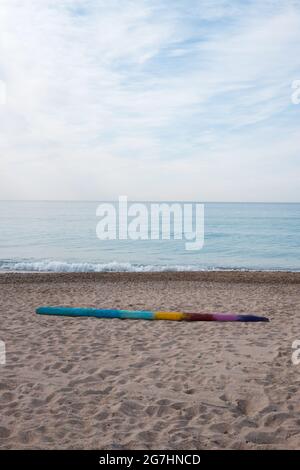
{"points": [[113, 384]]}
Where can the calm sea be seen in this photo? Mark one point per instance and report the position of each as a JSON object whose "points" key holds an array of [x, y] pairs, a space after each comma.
{"points": [[61, 236]]}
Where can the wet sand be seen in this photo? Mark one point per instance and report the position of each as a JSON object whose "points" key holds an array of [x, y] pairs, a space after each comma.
{"points": [[88, 383]]}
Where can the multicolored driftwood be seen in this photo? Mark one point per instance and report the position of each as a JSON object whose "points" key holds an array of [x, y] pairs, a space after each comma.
{"points": [[146, 314]]}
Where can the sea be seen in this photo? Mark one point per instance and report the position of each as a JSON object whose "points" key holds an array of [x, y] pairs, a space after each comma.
{"points": [[60, 236]]}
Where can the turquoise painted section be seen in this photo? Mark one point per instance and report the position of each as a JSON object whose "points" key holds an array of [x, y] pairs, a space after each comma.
{"points": [[78, 312]]}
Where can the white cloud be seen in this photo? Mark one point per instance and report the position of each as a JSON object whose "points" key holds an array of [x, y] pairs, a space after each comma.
{"points": [[154, 99]]}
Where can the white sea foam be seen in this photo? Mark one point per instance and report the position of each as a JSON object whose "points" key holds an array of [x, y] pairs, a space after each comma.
{"points": [[59, 266], [113, 266]]}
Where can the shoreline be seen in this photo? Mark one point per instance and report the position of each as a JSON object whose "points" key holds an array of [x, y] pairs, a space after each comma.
{"points": [[268, 277]]}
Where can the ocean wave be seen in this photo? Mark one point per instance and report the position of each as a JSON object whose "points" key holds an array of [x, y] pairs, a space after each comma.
{"points": [[113, 266], [64, 267]]}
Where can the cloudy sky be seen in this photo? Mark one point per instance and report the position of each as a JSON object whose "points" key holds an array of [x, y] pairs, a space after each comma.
{"points": [[153, 99]]}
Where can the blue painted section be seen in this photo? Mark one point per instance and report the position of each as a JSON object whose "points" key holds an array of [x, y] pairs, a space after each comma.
{"points": [[251, 318]]}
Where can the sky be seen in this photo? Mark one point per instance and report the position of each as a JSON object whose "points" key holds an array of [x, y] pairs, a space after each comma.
{"points": [[152, 99]]}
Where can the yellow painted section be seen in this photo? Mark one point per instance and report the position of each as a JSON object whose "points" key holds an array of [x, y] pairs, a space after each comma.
{"points": [[177, 316]]}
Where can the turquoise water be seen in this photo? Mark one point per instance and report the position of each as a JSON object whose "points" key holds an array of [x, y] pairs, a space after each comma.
{"points": [[61, 236]]}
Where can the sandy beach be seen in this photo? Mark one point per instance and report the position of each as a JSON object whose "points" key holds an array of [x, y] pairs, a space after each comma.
{"points": [[87, 383]]}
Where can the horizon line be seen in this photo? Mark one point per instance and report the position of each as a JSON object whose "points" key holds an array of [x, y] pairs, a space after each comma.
{"points": [[150, 200]]}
